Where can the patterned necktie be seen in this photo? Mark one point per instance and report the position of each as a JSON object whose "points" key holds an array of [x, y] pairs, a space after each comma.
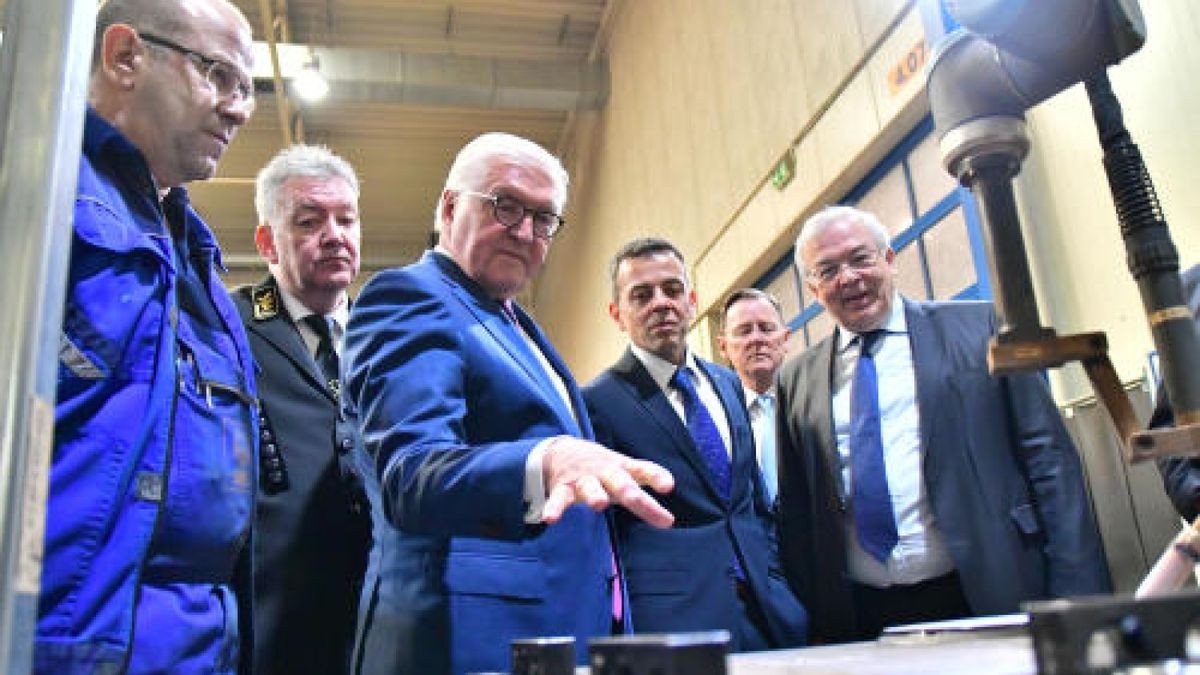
{"points": [[326, 356], [871, 500], [704, 431], [766, 449]]}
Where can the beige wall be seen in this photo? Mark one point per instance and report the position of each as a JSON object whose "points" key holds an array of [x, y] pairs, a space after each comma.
{"points": [[707, 95]]}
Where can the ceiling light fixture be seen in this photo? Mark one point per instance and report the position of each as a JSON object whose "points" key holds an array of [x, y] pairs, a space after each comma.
{"points": [[308, 83]]}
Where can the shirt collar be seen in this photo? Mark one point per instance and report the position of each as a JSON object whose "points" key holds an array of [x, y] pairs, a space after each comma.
{"points": [[895, 323], [104, 144], [752, 396], [660, 369], [298, 310], [100, 139]]}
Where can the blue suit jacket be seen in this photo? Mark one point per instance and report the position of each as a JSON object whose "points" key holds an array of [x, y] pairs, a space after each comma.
{"points": [[451, 400], [679, 579], [1001, 474]]}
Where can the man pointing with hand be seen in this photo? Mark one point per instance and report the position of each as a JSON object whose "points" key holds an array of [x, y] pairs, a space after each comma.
{"points": [[488, 486]]}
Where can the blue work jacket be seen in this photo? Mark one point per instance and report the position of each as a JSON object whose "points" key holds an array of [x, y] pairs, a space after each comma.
{"points": [[153, 470]]}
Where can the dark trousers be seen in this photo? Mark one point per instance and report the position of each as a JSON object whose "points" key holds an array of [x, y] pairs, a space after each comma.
{"points": [[930, 600]]}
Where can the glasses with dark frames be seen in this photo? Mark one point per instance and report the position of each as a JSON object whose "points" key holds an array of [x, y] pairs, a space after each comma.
{"points": [[226, 79], [510, 212]]}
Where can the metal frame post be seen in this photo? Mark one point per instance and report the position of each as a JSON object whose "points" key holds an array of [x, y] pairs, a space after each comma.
{"points": [[44, 63]]}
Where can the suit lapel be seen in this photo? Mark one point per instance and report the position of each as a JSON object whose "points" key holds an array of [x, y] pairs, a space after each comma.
{"points": [[733, 402], [279, 330], [928, 365], [820, 396], [488, 313], [560, 368], [643, 387]]}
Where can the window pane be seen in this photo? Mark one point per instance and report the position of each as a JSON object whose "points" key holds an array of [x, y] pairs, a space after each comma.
{"points": [[784, 288], [931, 183], [909, 278], [948, 250], [888, 200]]}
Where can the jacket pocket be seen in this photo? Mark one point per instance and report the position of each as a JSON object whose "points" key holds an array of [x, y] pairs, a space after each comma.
{"points": [[496, 575], [644, 582]]}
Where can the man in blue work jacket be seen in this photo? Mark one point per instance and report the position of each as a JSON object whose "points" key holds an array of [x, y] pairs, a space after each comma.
{"points": [[151, 485]]}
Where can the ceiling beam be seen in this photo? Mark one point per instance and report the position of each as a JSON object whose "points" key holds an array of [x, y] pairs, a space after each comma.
{"points": [[275, 29], [389, 76]]}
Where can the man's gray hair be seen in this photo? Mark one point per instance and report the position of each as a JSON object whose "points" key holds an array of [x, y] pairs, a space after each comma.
{"points": [[749, 294], [164, 18], [308, 161], [832, 215], [471, 166]]}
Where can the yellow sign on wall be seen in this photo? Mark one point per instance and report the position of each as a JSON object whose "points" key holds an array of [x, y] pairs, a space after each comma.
{"points": [[907, 68]]}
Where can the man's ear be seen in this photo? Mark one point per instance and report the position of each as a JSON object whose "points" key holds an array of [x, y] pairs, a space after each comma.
{"points": [[264, 241], [614, 311], [122, 54], [446, 207]]}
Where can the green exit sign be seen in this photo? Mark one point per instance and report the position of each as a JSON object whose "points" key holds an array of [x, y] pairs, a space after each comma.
{"points": [[784, 171]]}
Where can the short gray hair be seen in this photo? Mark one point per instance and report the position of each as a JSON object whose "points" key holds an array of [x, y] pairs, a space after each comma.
{"points": [[155, 16], [475, 159], [309, 161], [749, 294], [165, 18], [831, 215]]}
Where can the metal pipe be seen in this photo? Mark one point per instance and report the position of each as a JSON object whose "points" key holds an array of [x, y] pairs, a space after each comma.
{"points": [[44, 66], [281, 98], [990, 178], [1151, 254]]}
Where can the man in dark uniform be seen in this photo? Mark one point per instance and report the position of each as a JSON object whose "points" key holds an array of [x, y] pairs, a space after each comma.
{"points": [[312, 526]]}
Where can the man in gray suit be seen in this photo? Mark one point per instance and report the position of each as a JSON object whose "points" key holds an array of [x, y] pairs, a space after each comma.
{"points": [[312, 523], [914, 485]]}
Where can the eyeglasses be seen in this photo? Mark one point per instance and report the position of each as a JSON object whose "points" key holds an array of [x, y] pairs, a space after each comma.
{"points": [[510, 212], [826, 273], [226, 79]]}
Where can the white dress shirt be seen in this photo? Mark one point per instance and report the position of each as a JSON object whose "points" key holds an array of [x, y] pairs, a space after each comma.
{"points": [[762, 422], [298, 311], [920, 553]]}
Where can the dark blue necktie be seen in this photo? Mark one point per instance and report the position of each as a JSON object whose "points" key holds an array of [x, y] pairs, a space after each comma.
{"points": [[326, 356], [707, 438], [871, 499], [704, 431]]}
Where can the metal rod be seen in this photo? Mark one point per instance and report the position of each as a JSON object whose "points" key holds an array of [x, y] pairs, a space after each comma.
{"points": [[989, 177], [44, 65], [1151, 254], [282, 103]]}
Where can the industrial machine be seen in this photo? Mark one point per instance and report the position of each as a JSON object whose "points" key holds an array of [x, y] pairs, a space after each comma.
{"points": [[1007, 56]]}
